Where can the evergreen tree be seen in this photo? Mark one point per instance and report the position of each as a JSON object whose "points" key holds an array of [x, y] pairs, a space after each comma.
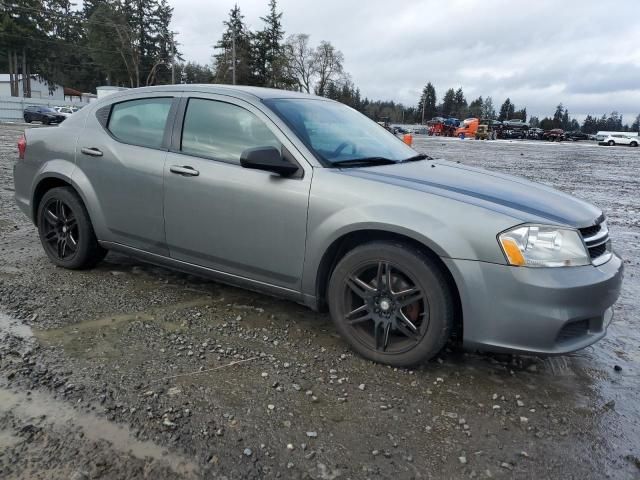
{"points": [[427, 104], [488, 112], [534, 122], [460, 104], [223, 61], [507, 110], [557, 116], [635, 127], [269, 53], [449, 103], [476, 108]]}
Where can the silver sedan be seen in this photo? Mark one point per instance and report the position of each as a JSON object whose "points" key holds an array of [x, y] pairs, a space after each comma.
{"points": [[304, 198]]}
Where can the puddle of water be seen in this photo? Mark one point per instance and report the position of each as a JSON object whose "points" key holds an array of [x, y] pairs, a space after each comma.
{"points": [[14, 327], [59, 414]]}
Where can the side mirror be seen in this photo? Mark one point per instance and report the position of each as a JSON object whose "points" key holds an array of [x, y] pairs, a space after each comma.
{"points": [[269, 159]]}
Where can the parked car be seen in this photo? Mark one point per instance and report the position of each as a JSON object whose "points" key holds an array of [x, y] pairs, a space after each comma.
{"points": [[66, 111], [554, 135], [46, 115], [575, 136], [535, 134], [304, 198], [619, 139]]}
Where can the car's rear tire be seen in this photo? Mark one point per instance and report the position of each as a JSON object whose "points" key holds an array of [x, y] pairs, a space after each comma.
{"points": [[65, 230], [634, 144], [391, 302], [45, 121], [27, 119], [611, 143]]}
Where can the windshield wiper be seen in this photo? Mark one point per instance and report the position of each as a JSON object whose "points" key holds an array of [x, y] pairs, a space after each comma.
{"points": [[363, 162], [416, 158]]}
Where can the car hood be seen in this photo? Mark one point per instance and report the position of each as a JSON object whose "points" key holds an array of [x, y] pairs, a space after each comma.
{"points": [[514, 196]]}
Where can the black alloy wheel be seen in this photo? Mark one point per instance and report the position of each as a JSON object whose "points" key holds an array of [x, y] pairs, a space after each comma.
{"points": [[386, 310], [392, 303], [65, 230], [60, 229]]}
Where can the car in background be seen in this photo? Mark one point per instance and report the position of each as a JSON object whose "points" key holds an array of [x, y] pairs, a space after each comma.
{"points": [[554, 135], [305, 198], [619, 139], [46, 115], [576, 135], [535, 134], [66, 111]]}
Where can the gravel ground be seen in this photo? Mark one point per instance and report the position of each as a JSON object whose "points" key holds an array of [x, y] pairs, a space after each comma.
{"points": [[133, 371]]}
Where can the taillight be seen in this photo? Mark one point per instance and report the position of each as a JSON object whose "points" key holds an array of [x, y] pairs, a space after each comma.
{"points": [[22, 147]]}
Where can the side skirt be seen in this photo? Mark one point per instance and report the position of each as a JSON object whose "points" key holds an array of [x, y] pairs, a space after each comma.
{"points": [[222, 277]]}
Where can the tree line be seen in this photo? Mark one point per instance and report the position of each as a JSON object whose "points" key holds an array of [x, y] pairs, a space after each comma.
{"points": [[455, 105], [129, 43]]}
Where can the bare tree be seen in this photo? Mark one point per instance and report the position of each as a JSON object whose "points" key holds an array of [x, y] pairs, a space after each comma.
{"points": [[329, 62], [301, 60]]}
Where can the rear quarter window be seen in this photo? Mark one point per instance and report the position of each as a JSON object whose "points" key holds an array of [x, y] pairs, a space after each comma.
{"points": [[140, 122]]}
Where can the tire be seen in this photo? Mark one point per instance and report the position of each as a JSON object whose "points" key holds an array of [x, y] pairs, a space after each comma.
{"points": [[27, 119], [65, 230], [611, 143], [396, 326], [45, 121], [634, 144]]}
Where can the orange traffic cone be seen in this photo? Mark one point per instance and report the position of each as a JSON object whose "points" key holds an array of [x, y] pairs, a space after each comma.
{"points": [[408, 139]]}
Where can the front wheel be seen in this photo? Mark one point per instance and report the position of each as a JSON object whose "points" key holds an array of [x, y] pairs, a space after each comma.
{"points": [[27, 119], [65, 230], [611, 143], [392, 303], [634, 144]]}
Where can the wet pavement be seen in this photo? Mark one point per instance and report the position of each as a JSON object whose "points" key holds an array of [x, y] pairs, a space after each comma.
{"points": [[133, 371]]}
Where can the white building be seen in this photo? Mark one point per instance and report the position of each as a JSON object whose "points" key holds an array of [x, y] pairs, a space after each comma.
{"points": [[38, 89]]}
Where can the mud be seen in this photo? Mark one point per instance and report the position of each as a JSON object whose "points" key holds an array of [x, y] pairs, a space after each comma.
{"points": [[133, 371]]}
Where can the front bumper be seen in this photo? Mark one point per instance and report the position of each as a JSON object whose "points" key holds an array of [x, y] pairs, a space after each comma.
{"points": [[535, 310]]}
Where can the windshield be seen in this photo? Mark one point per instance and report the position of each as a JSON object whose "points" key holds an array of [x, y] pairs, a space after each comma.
{"points": [[337, 134], [48, 110]]}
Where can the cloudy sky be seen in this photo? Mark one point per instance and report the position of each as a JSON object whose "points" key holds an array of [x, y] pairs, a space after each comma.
{"points": [[584, 53]]}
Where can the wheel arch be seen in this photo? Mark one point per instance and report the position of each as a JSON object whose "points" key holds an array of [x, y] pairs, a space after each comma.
{"points": [[52, 179], [348, 241]]}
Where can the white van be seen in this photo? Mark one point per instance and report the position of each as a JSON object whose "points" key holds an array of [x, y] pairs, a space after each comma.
{"points": [[600, 136]]}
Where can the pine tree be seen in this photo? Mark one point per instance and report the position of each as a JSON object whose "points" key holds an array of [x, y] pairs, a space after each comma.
{"points": [[235, 27], [507, 110], [488, 112], [427, 104], [449, 103]]}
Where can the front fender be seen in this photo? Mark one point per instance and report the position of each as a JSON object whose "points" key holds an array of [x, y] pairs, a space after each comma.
{"points": [[449, 227]]}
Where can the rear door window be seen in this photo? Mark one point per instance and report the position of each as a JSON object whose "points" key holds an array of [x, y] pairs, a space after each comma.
{"points": [[140, 122], [222, 131]]}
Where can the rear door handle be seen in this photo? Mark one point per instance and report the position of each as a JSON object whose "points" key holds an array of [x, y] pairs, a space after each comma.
{"points": [[94, 152], [184, 170]]}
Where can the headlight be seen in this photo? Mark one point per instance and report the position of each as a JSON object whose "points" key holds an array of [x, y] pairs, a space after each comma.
{"points": [[543, 246]]}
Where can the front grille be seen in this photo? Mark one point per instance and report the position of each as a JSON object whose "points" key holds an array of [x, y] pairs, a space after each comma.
{"points": [[590, 231], [596, 238]]}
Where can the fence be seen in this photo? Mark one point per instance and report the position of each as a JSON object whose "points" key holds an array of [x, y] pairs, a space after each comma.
{"points": [[11, 108]]}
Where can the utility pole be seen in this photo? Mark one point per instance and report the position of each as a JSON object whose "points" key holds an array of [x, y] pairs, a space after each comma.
{"points": [[424, 98], [233, 55], [173, 61]]}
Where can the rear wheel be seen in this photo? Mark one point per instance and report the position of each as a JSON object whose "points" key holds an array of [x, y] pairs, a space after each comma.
{"points": [[611, 143], [27, 118], [45, 121], [392, 303], [66, 232], [634, 144]]}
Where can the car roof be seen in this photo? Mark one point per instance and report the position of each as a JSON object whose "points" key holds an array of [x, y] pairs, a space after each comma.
{"points": [[240, 91]]}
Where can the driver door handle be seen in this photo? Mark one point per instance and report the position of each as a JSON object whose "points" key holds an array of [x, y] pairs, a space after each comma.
{"points": [[184, 170]]}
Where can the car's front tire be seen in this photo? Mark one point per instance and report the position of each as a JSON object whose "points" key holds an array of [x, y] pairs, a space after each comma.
{"points": [[634, 144], [45, 121], [392, 303], [65, 230], [27, 119], [611, 143]]}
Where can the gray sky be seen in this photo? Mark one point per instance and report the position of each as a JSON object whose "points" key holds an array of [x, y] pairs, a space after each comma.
{"points": [[584, 53]]}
